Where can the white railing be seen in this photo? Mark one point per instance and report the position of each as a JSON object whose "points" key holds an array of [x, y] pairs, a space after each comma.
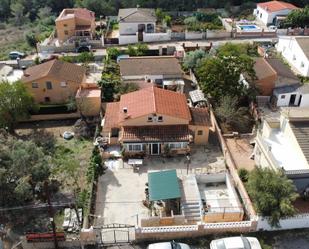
{"points": [[223, 225], [167, 229]]}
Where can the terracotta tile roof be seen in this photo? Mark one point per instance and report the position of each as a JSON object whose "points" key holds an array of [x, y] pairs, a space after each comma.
{"points": [[136, 15], [200, 116], [111, 116], [57, 69], [262, 68], [153, 100], [285, 76], [166, 133], [150, 65], [81, 13], [273, 6]]}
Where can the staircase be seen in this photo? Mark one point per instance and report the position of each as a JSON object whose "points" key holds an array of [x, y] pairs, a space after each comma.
{"points": [[191, 211]]}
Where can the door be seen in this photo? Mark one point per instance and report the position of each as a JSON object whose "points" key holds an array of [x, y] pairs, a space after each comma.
{"points": [[155, 149], [292, 99]]}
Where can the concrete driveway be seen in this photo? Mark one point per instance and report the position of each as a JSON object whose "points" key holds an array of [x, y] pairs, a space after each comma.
{"points": [[121, 191]]}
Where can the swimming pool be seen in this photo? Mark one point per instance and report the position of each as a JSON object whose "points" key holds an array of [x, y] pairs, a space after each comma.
{"points": [[248, 27]]}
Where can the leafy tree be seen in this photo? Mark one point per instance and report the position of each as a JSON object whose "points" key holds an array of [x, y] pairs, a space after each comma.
{"points": [[272, 194], [234, 49], [232, 115], [192, 59], [23, 167], [221, 75], [18, 12], [15, 104], [297, 18], [113, 53], [32, 41], [85, 57], [141, 49], [159, 14], [167, 20]]}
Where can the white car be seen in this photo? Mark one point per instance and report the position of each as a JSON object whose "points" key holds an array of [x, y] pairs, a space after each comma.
{"points": [[236, 243], [168, 245]]}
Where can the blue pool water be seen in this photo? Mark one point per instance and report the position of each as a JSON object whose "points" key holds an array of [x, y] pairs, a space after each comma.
{"points": [[248, 27]]}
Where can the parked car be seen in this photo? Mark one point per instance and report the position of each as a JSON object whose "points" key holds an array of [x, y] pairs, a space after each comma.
{"points": [[236, 242], [168, 245], [15, 54]]}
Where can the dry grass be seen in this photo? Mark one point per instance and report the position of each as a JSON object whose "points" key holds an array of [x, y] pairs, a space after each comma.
{"points": [[13, 38]]}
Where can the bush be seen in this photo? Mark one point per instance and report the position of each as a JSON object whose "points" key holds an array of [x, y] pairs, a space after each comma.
{"points": [[52, 109], [243, 174], [272, 193]]}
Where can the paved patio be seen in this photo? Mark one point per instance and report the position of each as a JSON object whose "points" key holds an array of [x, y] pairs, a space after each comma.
{"points": [[121, 191]]}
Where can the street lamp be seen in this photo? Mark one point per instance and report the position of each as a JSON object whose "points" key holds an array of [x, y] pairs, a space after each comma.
{"points": [[188, 162]]}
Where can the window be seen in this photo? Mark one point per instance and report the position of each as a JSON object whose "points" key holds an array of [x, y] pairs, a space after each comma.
{"points": [[66, 32], [63, 84], [261, 15], [177, 145], [302, 64], [135, 147], [49, 85], [35, 85], [257, 11], [199, 132], [65, 25], [149, 119], [282, 96], [47, 99], [294, 57], [160, 119]]}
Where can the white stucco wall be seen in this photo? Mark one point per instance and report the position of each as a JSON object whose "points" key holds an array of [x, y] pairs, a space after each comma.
{"points": [[268, 17], [128, 39], [281, 102], [143, 77], [304, 100], [132, 28], [154, 37], [292, 52]]}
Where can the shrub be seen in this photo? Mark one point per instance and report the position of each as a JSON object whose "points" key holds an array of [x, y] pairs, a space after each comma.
{"points": [[243, 174]]}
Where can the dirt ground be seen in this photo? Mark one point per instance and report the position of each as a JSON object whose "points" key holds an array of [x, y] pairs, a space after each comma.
{"points": [[241, 151]]}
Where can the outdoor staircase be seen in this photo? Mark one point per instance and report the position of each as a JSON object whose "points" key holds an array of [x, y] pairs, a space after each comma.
{"points": [[191, 211]]}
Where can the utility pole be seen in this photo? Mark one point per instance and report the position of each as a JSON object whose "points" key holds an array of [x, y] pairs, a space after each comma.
{"points": [[51, 214]]}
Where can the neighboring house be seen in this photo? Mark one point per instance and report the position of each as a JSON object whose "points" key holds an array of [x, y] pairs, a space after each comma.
{"points": [[54, 81], [163, 71], [296, 51], [78, 22], [9, 74], [288, 90], [269, 12], [266, 76], [154, 121], [88, 101], [136, 20], [283, 145]]}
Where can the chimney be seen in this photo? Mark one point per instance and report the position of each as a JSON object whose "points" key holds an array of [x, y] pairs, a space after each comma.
{"points": [[125, 110], [24, 71]]}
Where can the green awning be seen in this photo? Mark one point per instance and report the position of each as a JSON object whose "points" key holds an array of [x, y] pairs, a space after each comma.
{"points": [[163, 185]]}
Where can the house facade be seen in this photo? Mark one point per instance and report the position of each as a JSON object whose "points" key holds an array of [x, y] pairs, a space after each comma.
{"points": [[287, 134], [296, 51], [268, 12], [136, 20], [54, 82], [162, 71], [78, 22], [154, 121]]}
